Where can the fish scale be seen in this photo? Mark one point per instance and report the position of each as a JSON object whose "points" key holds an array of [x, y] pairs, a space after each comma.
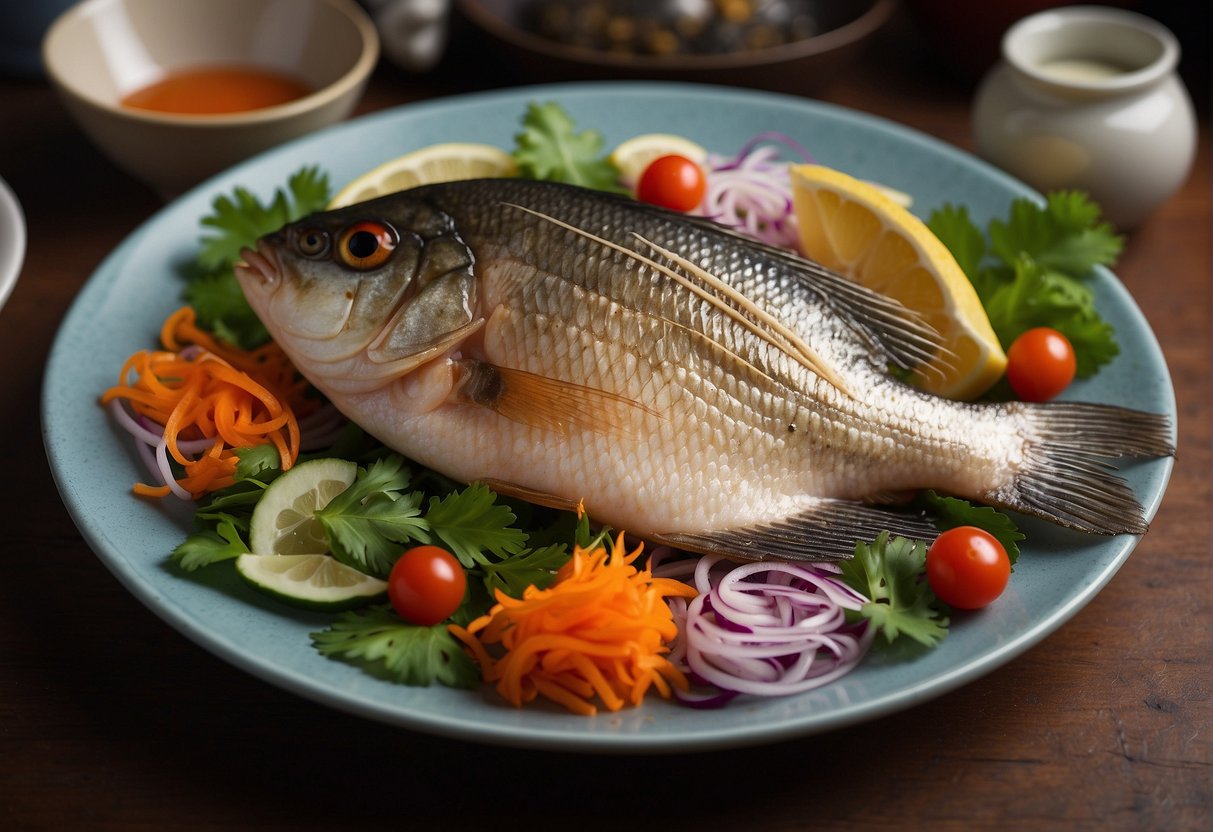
{"points": [[691, 386]]}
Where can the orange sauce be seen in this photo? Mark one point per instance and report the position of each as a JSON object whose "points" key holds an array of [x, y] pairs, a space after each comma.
{"points": [[217, 89]]}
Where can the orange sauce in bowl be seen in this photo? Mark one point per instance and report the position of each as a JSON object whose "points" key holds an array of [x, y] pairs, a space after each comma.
{"points": [[217, 89]]}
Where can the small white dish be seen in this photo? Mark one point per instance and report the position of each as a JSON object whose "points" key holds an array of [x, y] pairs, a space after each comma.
{"points": [[1088, 98], [12, 241]]}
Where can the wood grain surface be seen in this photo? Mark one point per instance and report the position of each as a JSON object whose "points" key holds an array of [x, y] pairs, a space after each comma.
{"points": [[109, 719]]}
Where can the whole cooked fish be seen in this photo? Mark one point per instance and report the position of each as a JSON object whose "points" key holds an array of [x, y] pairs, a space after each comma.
{"points": [[689, 385]]}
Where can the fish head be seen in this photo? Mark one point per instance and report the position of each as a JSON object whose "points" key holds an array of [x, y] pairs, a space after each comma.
{"points": [[389, 283]]}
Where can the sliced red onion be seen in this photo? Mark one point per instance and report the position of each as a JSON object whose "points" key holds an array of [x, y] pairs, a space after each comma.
{"points": [[752, 191], [766, 629]]}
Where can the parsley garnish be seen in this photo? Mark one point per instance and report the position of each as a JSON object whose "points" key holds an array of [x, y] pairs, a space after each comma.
{"points": [[1031, 269], [367, 523], [403, 652], [550, 148], [890, 573]]}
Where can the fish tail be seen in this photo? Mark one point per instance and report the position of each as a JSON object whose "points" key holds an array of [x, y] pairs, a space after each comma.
{"points": [[1068, 474]]}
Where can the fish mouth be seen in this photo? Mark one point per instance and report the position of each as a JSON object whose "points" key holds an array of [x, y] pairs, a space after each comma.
{"points": [[260, 264]]}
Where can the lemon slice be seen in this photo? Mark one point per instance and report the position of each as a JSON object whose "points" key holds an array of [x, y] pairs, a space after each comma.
{"points": [[634, 155], [854, 228], [284, 520], [314, 581], [436, 163]]}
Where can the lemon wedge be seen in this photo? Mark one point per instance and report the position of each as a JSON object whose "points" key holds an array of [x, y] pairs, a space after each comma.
{"points": [[445, 162], [634, 155], [854, 228]]}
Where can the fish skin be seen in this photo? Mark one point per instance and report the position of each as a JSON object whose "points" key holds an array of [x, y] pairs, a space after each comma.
{"points": [[533, 335]]}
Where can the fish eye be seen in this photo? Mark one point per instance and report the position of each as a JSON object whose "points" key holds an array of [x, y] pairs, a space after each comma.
{"points": [[366, 245], [312, 242]]}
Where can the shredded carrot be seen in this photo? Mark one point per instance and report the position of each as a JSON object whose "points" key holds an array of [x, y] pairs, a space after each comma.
{"points": [[199, 389], [601, 630]]}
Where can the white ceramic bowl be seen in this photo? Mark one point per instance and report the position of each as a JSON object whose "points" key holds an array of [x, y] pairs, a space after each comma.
{"points": [[99, 51], [12, 241], [1088, 97]]}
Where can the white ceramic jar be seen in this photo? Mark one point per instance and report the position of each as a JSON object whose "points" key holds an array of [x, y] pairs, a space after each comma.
{"points": [[1087, 97]]}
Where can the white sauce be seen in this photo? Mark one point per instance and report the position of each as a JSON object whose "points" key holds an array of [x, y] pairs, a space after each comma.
{"points": [[1081, 69]]}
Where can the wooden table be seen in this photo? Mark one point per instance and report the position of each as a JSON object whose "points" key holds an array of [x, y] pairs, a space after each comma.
{"points": [[111, 719]]}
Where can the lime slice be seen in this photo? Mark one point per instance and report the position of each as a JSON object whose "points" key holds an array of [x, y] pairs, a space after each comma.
{"points": [[284, 521], [446, 162], [319, 582]]}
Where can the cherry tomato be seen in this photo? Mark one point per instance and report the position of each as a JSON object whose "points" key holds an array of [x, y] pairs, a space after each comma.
{"points": [[967, 567], [672, 182], [426, 585], [1040, 364]]}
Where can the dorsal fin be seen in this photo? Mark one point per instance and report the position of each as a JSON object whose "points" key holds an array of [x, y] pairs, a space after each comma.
{"points": [[737, 307], [899, 332]]}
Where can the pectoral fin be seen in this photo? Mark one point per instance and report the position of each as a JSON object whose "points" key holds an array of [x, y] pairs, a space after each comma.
{"points": [[548, 403], [531, 495], [827, 531]]}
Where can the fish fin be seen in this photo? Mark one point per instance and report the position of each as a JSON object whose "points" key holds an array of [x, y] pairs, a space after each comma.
{"points": [[901, 334], [531, 495], [718, 293], [545, 402], [1067, 475], [747, 313], [827, 531]]}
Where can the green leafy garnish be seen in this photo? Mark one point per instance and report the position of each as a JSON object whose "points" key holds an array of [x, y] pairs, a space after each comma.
{"points": [[367, 523], [1031, 269], [471, 522], [211, 545], [951, 512], [550, 148], [402, 652], [526, 568], [239, 220], [890, 573]]}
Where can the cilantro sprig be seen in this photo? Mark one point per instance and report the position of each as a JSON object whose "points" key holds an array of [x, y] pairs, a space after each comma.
{"points": [[406, 653], [549, 147], [889, 571], [1032, 269]]}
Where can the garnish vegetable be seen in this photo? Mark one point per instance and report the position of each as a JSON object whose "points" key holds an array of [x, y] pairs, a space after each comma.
{"points": [[426, 585], [967, 568], [765, 629], [1040, 364], [197, 401], [549, 147], [888, 571], [599, 634], [1031, 269], [752, 192], [673, 182]]}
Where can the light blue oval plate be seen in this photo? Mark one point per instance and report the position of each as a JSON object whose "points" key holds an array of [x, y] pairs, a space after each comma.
{"points": [[122, 306]]}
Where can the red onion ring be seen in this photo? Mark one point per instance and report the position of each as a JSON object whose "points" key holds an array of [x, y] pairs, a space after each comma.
{"points": [[767, 629]]}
